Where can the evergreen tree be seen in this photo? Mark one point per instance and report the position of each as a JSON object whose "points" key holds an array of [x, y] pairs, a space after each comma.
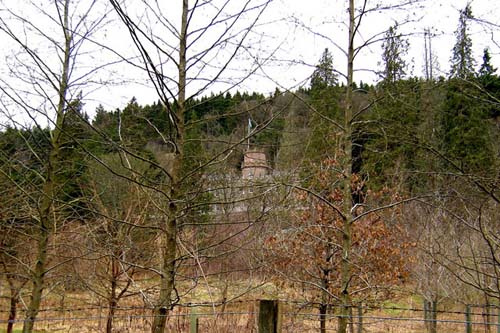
{"points": [[466, 131], [490, 86], [324, 96], [390, 154], [487, 68], [394, 49], [324, 75], [75, 143], [462, 62], [466, 134]]}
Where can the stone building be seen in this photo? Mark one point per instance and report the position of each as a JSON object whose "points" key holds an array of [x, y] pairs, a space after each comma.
{"points": [[255, 165]]}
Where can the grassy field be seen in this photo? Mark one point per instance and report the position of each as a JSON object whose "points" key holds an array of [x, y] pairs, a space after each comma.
{"points": [[83, 313]]}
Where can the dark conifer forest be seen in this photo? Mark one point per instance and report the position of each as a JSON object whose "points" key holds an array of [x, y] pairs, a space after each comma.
{"points": [[334, 193]]}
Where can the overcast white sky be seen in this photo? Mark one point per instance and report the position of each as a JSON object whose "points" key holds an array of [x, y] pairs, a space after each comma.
{"points": [[302, 30], [329, 17], [284, 20]]}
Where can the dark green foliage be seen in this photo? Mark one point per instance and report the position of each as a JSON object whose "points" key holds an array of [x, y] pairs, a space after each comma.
{"points": [[462, 61], [398, 130], [136, 125], [215, 110], [208, 119], [23, 153], [324, 96], [220, 112], [106, 131], [489, 83], [487, 69], [295, 130], [324, 75], [133, 127], [466, 132], [390, 140], [75, 144], [24, 156], [383, 144], [394, 49], [270, 139]]}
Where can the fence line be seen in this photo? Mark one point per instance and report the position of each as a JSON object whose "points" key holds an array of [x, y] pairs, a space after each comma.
{"points": [[128, 317], [304, 303], [294, 314], [314, 315]]}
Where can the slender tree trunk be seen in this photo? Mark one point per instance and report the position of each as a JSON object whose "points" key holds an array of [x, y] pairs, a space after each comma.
{"points": [[45, 226], [322, 317], [323, 307], [112, 302], [347, 190], [14, 299], [169, 243], [111, 316], [325, 284], [38, 278]]}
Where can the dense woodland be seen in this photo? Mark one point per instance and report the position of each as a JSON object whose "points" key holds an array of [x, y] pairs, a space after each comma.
{"points": [[398, 195]]}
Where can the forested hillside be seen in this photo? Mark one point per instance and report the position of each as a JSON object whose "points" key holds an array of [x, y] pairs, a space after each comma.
{"points": [[367, 191]]}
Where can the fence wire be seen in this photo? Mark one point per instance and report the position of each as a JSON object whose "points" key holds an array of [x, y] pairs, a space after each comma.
{"points": [[242, 316]]}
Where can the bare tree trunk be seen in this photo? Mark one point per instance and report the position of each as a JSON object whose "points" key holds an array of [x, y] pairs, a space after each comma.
{"points": [[169, 244], [323, 307], [347, 190], [322, 317], [110, 317], [38, 278], [14, 299], [112, 302], [325, 297], [48, 192]]}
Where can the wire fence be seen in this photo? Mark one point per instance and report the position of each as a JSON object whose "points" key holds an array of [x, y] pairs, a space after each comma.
{"points": [[243, 316]]}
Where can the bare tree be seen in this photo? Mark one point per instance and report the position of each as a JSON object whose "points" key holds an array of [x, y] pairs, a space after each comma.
{"points": [[45, 76], [114, 247], [14, 251], [474, 260], [351, 119], [351, 210], [183, 61]]}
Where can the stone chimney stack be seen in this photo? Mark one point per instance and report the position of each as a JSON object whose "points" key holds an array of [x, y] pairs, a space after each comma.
{"points": [[254, 165]]}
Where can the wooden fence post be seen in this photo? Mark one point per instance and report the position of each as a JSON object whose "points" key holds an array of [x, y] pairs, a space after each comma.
{"points": [[269, 316], [434, 317], [498, 318], [193, 321], [426, 315], [468, 321], [360, 318], [351, 319]]}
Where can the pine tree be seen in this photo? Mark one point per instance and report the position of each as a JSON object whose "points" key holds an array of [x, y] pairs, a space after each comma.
{"points": [[487, 68], [394, 49], [466, 135], [490, 86], [462, 62], [324, 95], [466, 138], [324, 75]]}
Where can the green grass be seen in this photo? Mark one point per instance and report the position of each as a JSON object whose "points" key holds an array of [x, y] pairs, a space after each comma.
{"points": [[19, 330], [389, 304]]}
